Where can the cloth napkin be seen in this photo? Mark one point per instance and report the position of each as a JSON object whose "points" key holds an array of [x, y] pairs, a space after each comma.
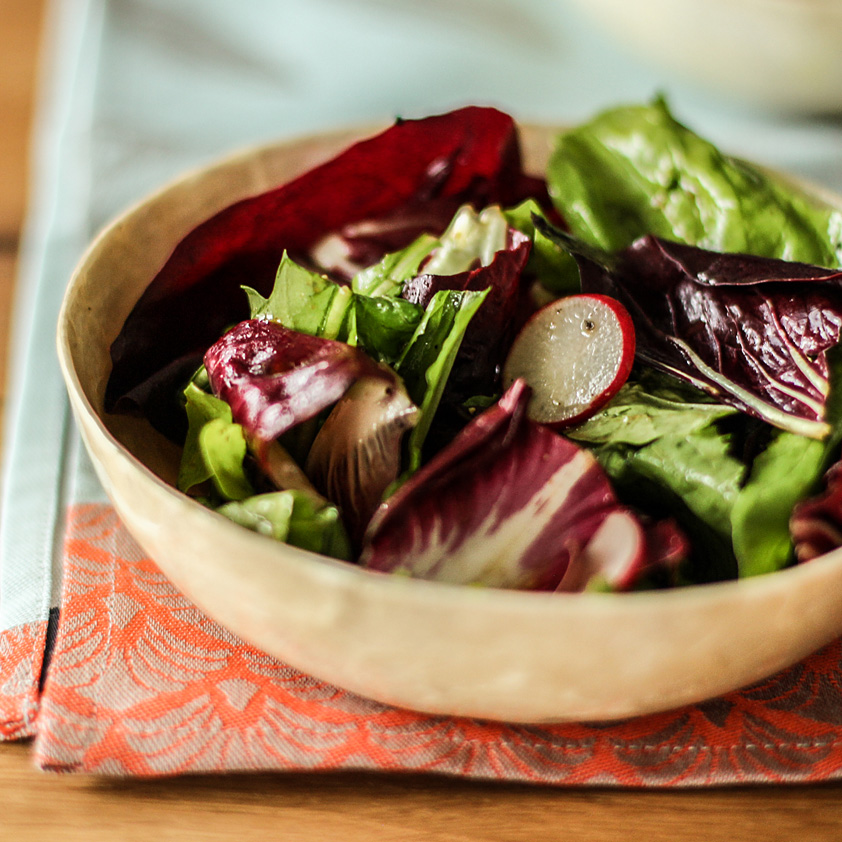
{"points": [[110, 668]]}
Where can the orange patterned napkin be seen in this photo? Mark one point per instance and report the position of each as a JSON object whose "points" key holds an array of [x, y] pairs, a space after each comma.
{"points": [[142, 683]]}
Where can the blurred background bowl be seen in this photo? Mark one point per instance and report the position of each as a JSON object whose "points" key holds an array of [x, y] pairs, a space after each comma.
{"points": [[782, 54]]}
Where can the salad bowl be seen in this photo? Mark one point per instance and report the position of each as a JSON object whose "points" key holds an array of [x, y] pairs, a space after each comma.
{"points": [[433, 647]]}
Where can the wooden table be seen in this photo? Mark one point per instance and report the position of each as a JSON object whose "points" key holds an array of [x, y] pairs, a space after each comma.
{"points": [[346, 807]]}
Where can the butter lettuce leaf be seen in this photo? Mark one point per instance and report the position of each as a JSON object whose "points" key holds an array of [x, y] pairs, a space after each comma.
{"points": [[223, 447], [636, 170], [783, 475], [641, 413], [667, 450], [299, 518], [214, 449]]}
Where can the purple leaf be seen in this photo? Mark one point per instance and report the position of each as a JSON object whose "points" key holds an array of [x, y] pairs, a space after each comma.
{"points": [[752, 331], [508, 503], [378, 195], [666, 548], [816, 524], [274, 378], [477, 367], [356, 455]]}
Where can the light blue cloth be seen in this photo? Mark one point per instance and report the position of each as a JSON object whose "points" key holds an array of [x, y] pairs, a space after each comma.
{"points": [[137, 90]]}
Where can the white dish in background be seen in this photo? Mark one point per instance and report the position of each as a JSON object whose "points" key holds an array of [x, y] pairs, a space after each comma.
{"points": [[783, 54], [507, 655]]}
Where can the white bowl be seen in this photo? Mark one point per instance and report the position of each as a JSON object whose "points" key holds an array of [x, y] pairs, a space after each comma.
{"points": [[527, 657], [780, 53]]}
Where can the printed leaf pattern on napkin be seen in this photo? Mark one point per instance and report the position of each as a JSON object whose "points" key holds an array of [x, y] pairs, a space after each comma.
{"points": [[21, 656], [142, 683]]}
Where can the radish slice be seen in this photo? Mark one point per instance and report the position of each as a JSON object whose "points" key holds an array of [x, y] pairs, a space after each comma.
{"points": [[575, 354]]}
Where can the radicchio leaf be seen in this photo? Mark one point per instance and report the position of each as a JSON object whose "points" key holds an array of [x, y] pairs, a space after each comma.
{"points": [[476, 369], [753, 331], [816, 524], [356, 455], [509, 503], [667, 547], [379, 195], [274, 378]]}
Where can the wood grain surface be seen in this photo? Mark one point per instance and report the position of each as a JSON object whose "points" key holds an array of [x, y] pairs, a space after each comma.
{"points": [[347, 807]]}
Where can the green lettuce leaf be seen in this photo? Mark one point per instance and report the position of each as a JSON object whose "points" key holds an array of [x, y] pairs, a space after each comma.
{"points": [[201, 408], [299, 518], [553, 266], [639, 414], [781, 476], [788, 471], [428, 359], [304, 301], [214, 448], [387, 277], [223, 448], [636, 170], [384, 326], [663, 448]]}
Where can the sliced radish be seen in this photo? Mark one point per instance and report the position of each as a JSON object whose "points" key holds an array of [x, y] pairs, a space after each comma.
{"points": [[575, 354]]}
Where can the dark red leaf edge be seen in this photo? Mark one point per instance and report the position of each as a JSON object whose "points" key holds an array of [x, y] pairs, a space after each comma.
{"points": [[274, 378], [417, 173], [476, 370], [816, 524]]}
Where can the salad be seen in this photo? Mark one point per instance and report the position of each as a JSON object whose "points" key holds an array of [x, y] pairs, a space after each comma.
{"points": [[420, 359]]}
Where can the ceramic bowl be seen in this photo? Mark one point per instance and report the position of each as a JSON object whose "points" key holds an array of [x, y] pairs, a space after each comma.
{"points": [[432, 647], [782, 54]]}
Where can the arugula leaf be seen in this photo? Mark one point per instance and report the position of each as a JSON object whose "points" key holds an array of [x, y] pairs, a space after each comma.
{"points": [[553, 266], [636, 170], [299, 518], [429, 356], [223, 448], [303, 300], [387, 277], [384, 326]]}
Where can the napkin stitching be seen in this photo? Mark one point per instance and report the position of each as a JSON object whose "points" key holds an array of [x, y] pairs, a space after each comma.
{"points": [[671, 749]]}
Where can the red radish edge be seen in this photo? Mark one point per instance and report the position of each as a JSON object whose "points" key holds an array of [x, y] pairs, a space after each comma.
{"points": [[626, 361]]}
